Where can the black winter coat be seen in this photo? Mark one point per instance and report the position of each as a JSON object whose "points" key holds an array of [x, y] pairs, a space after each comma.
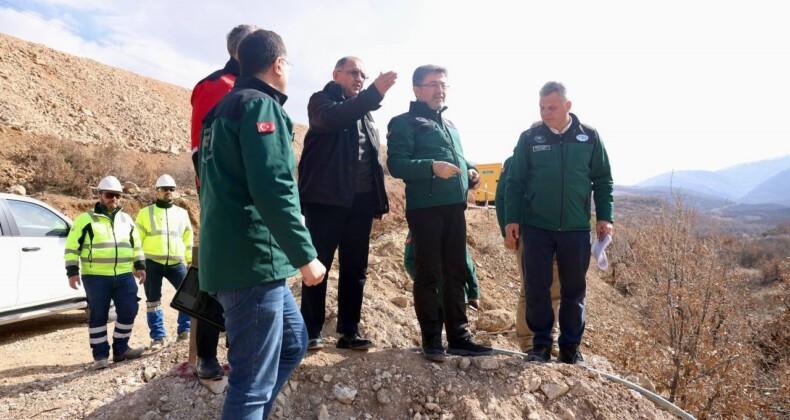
{"points": [[328, 166]]}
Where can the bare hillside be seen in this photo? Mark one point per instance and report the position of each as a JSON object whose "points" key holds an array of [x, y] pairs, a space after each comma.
{"points": [[53, 104]]}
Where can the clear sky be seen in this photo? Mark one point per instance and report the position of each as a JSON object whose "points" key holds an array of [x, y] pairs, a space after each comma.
{"points": [[670, 85]]}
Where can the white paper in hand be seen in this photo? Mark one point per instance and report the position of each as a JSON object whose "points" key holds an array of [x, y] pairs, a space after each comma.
{"points": [[599, 251]]}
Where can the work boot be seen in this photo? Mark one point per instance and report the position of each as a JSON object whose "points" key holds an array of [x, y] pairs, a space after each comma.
{"points": [[183, 336], [157, 344], [209, 368], [100, 364], [467, 347], [433, 350], [354, 342], [570, 355], [540, 354], [129, 354], [316, 343]]}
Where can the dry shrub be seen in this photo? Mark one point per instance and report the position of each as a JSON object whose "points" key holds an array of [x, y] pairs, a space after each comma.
{"points": [[72, 168], [696, 344]]}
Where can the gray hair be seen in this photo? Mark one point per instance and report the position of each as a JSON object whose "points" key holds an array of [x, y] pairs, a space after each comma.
{"points": [[342, 62], [551, 87], [422, 71], [236, 35]]}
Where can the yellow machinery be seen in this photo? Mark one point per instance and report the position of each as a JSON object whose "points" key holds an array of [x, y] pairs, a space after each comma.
{"points": [[489, 177]]}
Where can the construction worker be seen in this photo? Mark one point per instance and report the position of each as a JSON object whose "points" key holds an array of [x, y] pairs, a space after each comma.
{"points": [[166, 235], [105, 244]]}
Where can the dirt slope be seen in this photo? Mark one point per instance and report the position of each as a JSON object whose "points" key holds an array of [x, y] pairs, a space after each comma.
{"points": [[49, 96]]}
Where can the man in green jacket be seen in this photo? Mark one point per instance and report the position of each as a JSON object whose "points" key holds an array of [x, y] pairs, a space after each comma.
{"points": [[425, 151], [252, 236], [556, 167]]}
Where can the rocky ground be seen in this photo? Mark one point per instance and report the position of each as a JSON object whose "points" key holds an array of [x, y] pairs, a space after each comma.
{"points": [[50, 99]]}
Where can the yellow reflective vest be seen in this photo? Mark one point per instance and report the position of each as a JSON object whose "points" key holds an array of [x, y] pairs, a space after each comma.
{"points": [[99, 245], [166, 234]]}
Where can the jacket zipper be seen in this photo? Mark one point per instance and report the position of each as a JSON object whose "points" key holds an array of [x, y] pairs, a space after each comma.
{"points": [[562, 181], [455, 157]]}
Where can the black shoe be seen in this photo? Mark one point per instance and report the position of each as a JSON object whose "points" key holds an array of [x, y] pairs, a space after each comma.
{"points": [[433, 350], [209, 368], [315, 343], [354, 342], [467, 347], [570, 355], [540, 354]]}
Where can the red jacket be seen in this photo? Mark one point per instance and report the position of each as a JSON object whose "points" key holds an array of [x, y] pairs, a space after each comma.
{"points": [[208, 92]]}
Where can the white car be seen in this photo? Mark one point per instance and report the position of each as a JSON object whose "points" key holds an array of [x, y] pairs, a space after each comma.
{"points": [[33, 279]]}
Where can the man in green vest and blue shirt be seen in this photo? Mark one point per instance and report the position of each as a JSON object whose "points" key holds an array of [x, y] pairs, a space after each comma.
{"points": [[425, 152], [251, 232], [105, 245], [166, 234]]}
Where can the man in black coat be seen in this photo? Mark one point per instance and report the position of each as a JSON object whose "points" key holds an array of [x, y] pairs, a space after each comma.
{"points": [[341, 188]]}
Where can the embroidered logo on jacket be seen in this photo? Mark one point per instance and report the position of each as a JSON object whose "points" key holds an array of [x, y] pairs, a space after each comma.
{"points": [[582, 137]]}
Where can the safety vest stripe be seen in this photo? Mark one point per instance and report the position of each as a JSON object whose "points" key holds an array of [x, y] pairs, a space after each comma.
{"points": [[72, 251], [165, 257], [152, 221], [165, 233], [119, 260], [112, 245]]}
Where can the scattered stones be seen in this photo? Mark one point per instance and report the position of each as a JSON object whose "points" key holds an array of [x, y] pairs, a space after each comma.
{"points": [[323, 413], [344, 394], [553, 390], [486, 363], [400, 301], [496, 320], [383, 396], [464, 363]]}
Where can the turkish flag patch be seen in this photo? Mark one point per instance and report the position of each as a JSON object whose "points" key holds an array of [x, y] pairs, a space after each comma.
{"points": [[265, 126]]}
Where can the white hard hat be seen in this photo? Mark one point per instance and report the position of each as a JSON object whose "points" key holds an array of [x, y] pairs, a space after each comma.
{"points": [[110, 183], [165, 181]]}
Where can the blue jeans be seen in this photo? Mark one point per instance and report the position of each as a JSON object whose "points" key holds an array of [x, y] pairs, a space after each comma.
{"points": [[154, 272], [100, 291], [268, 339], [572, 250]]}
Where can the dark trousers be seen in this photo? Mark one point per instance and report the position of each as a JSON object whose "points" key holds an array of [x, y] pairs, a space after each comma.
{"points": [[439, 238], [100, 290], [346, 230], [572, 250]]}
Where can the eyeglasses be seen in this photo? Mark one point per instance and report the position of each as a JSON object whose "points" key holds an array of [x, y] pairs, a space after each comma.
{"points": [[434, 85], [287, 63], [167, 189], [110, 195], [355, 74]]}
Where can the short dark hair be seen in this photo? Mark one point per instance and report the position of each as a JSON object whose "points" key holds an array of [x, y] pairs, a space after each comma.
{"points": [[236, 35], [342, 62], [551, 87], [259, 50], [422, 71]]}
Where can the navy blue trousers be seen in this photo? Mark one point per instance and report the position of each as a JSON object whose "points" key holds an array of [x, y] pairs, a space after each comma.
{"points": [[572, 250]]}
